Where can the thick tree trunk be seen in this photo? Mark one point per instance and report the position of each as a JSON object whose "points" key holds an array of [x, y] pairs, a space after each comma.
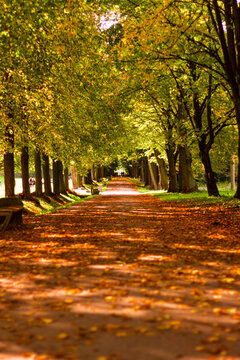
{"points": [[56, 177], [25, 172], [38, 173], [9, 179], [46, 175], [209, 175], [66, 182], [154, 174], [187, 182], [162, 172], [74, 178], [173, 185]]}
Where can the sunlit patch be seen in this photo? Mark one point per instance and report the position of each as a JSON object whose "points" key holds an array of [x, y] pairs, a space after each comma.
{"points": [[217, 236], [153, 257]]}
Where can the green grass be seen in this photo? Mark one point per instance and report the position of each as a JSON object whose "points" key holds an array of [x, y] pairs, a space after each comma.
{"points": [[51, 204], [2, 179], [199, 197]]}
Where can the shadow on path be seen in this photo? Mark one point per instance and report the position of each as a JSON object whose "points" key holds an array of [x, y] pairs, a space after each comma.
{"points": [[122, 276]]}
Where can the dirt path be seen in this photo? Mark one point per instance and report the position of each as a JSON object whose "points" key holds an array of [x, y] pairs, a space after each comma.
{"points": [[123, 276]]}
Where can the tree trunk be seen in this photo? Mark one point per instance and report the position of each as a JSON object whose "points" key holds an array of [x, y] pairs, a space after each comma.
{"points": [[74, 179], [9, 179], [25, 172], [173, 185], [187, 182], [56, 182], [38, 173], [88, 178], [102, 172], [237, 194], [145, 171], [46, 175], [66, 182], [162, 172], [209, 175], [154, 174], [61, 178], [233, 173]]}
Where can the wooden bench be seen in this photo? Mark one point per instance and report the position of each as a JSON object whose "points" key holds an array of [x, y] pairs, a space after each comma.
{"points": [[11, 209]]}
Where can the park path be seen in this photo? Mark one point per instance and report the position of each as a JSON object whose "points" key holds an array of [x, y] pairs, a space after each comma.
{"points": [[122, 276]]}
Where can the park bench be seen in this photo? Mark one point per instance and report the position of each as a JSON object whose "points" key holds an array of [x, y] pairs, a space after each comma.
{"points": [[11, 209]]}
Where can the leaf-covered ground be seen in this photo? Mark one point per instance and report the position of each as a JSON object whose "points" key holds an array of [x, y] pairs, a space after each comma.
{"points": [[123, 276]]}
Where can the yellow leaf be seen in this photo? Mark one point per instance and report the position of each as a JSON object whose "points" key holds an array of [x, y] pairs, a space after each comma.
{"points": [[47, 320], [62, 336], [94, 328], [121, 334]]}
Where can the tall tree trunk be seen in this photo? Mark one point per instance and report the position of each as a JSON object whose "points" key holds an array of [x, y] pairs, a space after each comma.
{"points": [[237, 194], [74, 178], [173, 184], [102, 172], [46, 175], [66, 182], [145, 171], [187, 182], [38, 172], [88, 178], [56, 182], [25, 172], [162, 171], [233, 173], [209, 175], [153, 173], [61, 178], [9, 179]]}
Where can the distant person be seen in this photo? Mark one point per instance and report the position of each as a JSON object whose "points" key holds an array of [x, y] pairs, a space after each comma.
{"points": [[122, 173], [32, 181]]}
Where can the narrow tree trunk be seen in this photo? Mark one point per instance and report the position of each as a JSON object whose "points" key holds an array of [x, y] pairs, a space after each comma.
{"points": [[102, 170], [233, 173], [162, 172], [88, 178], [153, 174], [38, 173], [25, 172], [46, 175], [79, 180], [173, 185], [66, 182], [56, 182], [187, 182], [237, 194], [61, 179], [9, 179], [209, 175]]}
